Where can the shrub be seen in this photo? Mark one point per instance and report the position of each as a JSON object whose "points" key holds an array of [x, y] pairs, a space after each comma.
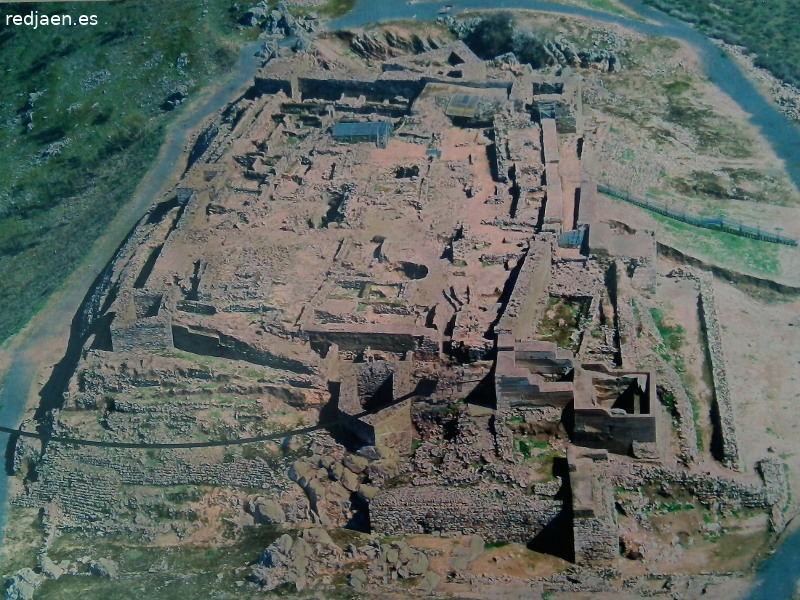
{"points": [[493, 36]]}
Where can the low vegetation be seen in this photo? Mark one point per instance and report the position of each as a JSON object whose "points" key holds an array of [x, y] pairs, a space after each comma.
{"points": [[180, 571], [673, 336], [726, 249], [770, 28], [562, 320], [84, 113]]}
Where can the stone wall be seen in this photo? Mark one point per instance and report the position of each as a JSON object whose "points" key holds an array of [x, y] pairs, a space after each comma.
{"points": [[501, 150], [610, 414], [710, 490], [332, 88], [87, 483], [526, 305], [722, 395], [598, 428], [215, 343], [381, 387], [497, 514], [354, 337], [776, 489], [144, 335], [595, 534]]}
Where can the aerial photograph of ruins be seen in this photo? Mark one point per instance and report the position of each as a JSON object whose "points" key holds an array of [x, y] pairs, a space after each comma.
{"points": [[358, 299]]}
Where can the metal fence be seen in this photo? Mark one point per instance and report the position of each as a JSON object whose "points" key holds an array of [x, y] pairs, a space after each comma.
{"points": [[719, 223]]}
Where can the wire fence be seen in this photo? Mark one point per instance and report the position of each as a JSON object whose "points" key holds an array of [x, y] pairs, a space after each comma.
{"points": [[719, 223]]}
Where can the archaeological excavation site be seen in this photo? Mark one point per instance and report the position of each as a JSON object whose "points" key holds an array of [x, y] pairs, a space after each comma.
{"points": [[392, 321]]}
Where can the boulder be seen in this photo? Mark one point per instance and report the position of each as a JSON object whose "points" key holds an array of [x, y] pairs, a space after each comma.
{"points": [[52, 570], [22, 585], [266, 511], [105, 567], [358, 578], [350, 480], [418, 565], [301, 472], [367, 492], [254, 16], [429, 582], [459, 559], [317, 535], [476, 546], [370, 453], [355, 463]]}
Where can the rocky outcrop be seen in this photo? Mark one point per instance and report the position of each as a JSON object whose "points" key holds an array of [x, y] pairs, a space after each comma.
{"points": [[331, 485], [279, 21], [391, 43], [297, 560], [22, 585], [541, 51], [105, 567], [266, 511]]}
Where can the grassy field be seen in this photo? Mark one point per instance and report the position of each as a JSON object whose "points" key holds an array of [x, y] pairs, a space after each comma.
{"points": [[739, 253], [83, 118], [769, 28]]}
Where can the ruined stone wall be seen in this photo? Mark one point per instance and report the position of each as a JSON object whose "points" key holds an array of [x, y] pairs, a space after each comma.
{"points": [[273, 85], [87, 483], [668, 379], [528, 299], [332, 88], [501, 150], [425, 343], [722, 395], [350, 406], [214, 343], [597, 428], [554, 199], [371, 377], [710, 490], [518, 392], [587, 204], [371, 387], [393, 429], [190, 201], [595, 535], [143, 335], [776, 490], [595, 540], [498, 515]]}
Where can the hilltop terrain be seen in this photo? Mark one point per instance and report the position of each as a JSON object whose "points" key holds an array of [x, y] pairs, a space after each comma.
{"points": [[386, 337]]}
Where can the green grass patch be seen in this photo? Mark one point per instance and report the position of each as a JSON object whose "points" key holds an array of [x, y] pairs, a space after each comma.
{"points": [[627, 156], [726, 249], [523, 447], [337, 8], [562, 318], [672, 335]]}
